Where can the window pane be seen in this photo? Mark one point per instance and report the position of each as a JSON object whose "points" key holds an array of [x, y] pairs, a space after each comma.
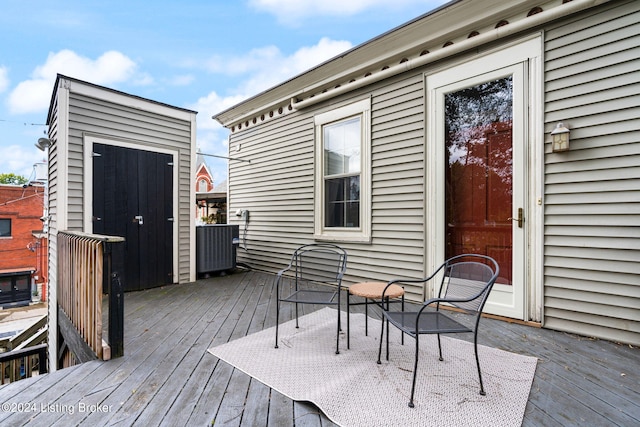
{"points": [[5, 227], [342, 202], [341, 143], [5, 285]]}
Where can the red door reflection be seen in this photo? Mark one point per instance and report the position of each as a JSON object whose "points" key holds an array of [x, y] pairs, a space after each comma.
{"points": [[479, 173]]}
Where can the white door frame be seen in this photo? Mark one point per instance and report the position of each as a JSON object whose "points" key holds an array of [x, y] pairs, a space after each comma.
{"points": [[523, 62]]}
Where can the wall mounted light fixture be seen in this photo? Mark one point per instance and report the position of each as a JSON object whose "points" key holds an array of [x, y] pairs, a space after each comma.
{"points": [[43, 144], [560, 138]]}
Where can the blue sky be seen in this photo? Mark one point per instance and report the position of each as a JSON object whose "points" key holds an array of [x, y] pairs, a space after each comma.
{"points": [[201, 55]]}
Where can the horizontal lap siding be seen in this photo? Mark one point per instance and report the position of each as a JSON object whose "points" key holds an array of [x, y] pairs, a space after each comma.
{"points": [[277, 187], [397, 249], [592, 192], [53, 199], [114, 121]]}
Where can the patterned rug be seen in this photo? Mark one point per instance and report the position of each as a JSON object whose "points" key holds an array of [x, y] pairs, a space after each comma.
{"points": [[352, 390]]}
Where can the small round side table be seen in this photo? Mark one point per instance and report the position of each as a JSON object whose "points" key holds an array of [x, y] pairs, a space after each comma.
{"points": [[372, 293]]}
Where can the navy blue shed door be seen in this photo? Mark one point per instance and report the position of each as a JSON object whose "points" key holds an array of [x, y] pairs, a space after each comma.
{"points": [[133, 198]]}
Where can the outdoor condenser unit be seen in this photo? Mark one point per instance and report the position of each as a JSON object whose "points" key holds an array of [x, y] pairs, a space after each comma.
{"points": [[216, 247]]}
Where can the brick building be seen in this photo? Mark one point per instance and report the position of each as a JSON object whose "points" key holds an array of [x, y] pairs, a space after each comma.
{"points": [[211, 199], [23, 247]]}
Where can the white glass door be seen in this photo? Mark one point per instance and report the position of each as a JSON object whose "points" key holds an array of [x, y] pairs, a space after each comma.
{"points": [[476, 176]]}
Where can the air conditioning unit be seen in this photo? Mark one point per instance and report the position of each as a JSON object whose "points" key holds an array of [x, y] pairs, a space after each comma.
{"points": [[216, 247]]}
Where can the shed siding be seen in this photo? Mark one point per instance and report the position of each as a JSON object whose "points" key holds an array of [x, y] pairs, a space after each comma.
{"points": [[592, 192], [100, 117], [277, 187], [52, 196]]}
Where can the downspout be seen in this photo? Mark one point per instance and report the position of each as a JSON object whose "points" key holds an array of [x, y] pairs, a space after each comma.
{"points": [[481, 39]]}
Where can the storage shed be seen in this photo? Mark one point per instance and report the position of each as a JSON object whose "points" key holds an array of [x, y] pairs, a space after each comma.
{"points": [[122, 165], [439, 137]]}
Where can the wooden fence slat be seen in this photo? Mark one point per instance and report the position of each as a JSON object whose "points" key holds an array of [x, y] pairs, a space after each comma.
{"points": [[81, 268]]}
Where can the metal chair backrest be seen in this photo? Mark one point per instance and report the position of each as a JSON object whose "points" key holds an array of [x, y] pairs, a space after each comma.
{"points": [[320, 263], [469, 277]]}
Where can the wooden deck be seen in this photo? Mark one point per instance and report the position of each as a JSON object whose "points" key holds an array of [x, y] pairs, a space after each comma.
{"points": [[168, 378]]}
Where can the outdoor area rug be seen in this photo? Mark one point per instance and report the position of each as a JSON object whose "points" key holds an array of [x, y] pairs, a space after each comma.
{"points": [[353, 390]]}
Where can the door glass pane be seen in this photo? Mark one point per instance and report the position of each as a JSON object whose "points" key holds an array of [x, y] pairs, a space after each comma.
{"points": [[479, 172]]}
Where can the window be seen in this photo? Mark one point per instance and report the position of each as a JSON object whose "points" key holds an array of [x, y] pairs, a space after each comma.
{"points": [[5, 227], [342, 207], [203, 186]]}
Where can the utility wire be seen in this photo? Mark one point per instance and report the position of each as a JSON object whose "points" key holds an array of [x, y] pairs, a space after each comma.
{"points": [[22, 123]]}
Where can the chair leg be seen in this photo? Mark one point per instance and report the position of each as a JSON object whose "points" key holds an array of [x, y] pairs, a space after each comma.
{"points": [[475, 347], [415, 371], [338, 333], [348, 317], [440, 349], [388, 330], [379, 362], [366, 317], [402, 305], [277, 320]]}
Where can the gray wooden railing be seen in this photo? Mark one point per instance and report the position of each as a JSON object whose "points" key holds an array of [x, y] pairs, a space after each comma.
{"points": [[18, 364]]}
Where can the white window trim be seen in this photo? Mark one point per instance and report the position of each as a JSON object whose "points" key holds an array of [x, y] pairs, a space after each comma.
{"points": [[344, 234]]}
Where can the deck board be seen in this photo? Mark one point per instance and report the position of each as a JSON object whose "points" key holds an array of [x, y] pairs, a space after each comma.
{"points": [[168, 378]]}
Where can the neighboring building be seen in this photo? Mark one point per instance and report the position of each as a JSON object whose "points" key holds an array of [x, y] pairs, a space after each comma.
{"points": [[23, 249], [435, 138], [122, 165], [211, 199], [204, 179]]}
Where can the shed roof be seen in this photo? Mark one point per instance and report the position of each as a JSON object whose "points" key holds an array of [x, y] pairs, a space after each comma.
{"points": [[60, 77]]}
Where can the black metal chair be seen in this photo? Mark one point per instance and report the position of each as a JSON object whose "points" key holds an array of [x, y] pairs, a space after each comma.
{"points": [[466, 282], [316, 263]]}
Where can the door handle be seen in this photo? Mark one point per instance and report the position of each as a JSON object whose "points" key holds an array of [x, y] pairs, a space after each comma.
{"points": [[520, 218], [139, 219]]}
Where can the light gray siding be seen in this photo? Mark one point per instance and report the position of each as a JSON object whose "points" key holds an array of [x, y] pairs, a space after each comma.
{"points": [[52, 196], [277, 187], [592, 192]]}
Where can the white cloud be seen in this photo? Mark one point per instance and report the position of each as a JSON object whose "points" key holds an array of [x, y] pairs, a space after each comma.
{"points": [[33, 95], [268, 66], [253, 60], [291, 11], [211, 104], [110, 67], [182, 80], [264, 67], [19, 159], [282, 68], [4, 78], [270, 61]]}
